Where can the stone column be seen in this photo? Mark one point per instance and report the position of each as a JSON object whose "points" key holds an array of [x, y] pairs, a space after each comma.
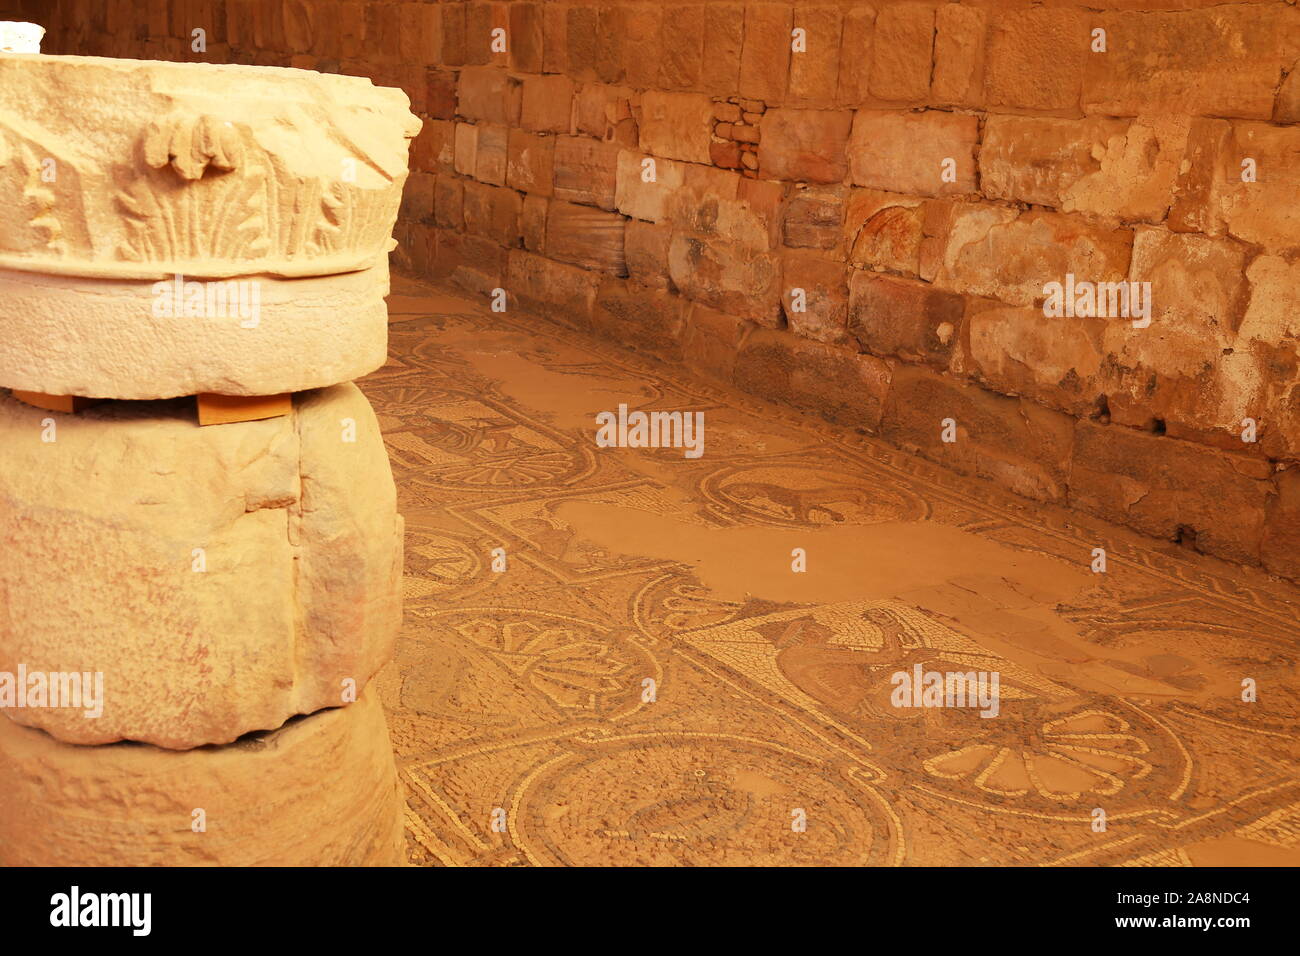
{"points": [[190, 615]]}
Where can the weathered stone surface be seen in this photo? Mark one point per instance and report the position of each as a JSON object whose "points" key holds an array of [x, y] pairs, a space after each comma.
{"points": [[1171, 489], [1035, 58], [814, 218], [677, 125], [1124, 169], [100, 338], [711, 341], [646, 248], [289, 515], [492, 212], [684, 28], [722, 48], [526, 37], [900, 60], [153, 158], [641, 44], [488, 95], [586, 237], [492, 151], [466, 148], [637, 195], [990, 251], [530, 162], [1017, 350], [1014, 442], [959, 55], [728, 276], [586, 171], [805, 145], [856, 44], [449, 202], [1183, 370], [883, 230], [1225, 61], [765, 57], [547, 104], [605, 112], [532, 223], [563, 292], [1194, 208], [815, 297], [642, 318], [1280, 547], [906, 152], [814, 71], [841, 385], [1264, 211], [263, 797], [913, 320]]}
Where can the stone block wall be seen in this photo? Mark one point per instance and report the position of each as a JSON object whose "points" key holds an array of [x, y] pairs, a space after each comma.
{"points": [[858, 208]]}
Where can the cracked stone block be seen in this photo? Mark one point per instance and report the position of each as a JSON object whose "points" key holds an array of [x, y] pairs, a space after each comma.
{"points": [[320, 790], [221, 579]]}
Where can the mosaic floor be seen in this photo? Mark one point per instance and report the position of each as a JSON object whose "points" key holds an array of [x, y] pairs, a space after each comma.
{"points": [[648, 681]]}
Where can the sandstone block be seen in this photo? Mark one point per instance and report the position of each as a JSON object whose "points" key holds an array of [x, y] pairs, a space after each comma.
{"points": [[530, 162], [642, 45], [805, 145], [1183, 370], [684, 30], [1225, 61], [1035, 58], [532, 223], [491, 154], [720, 73], [856, 52], [1122, 169], [991, 252], [264, 800], [640, 317], [526, 37], [1016, 350], [728, 276], [840, 385], [646, 247], [959, 55], [285, 513], [765, 57], [884, 230], [586, 171], [546, 104], [815, 297], [913, 320], [814, 71], [1263, 211], [711, 341], [492, 212], [563, 292], [1280, 549], [814, 218], [910, 152], [1170, 489], [586, 237], [677, 125], [636, 196], [102, 338], [489, 95], [1016, 443], [901, 47]]}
